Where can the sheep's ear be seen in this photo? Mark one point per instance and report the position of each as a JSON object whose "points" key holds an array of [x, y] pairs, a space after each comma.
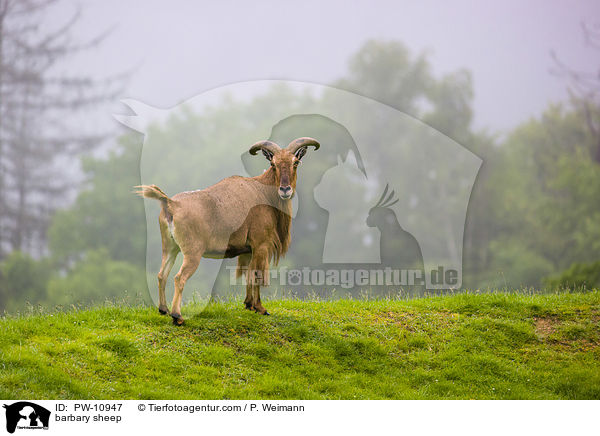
{"points": [[300, 153], [267, 154]]}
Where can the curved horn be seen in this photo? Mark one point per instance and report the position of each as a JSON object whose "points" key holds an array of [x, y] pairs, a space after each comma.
{"points": [[268, 148], [296, 144]]}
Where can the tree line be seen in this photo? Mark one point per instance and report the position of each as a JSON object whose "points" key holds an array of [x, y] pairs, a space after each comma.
{"points": [[533, 215]]}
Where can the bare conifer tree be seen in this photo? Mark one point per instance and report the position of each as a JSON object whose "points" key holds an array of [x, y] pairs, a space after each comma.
{"points": [[584, 86], [39, 115]]}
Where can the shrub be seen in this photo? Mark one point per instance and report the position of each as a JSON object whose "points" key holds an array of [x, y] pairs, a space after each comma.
{"points": [[579, 275], [96, 279], [22, 280]]}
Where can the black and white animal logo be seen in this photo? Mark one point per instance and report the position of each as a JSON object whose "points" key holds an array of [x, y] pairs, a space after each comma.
{"points": [[26, 415]]}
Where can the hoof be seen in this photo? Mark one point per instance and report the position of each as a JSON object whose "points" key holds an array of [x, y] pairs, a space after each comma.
{"points": [[177, 319], [260, 312], [163, 310]]}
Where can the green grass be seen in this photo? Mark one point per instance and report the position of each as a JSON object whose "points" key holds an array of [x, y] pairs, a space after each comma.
{"points": [[491, 346]]}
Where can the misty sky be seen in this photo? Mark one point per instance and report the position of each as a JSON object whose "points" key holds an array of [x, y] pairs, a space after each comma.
{"points": [[181, 48]]}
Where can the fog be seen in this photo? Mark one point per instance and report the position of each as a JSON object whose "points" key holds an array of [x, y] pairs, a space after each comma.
{"points": [[178, 49], [492, 164]]}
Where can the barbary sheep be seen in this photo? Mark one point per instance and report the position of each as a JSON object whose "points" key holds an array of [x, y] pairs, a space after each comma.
{"points": [[247, 217]]}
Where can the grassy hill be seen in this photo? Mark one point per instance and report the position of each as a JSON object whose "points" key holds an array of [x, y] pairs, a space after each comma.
{"points": [[492, 346]]}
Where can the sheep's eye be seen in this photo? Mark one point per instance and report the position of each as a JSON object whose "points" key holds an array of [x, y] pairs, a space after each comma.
{"points": [[272, 165]]}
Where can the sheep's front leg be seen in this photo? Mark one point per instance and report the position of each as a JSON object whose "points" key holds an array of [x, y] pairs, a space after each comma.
{"points": [[258, 275], [242, 269]]}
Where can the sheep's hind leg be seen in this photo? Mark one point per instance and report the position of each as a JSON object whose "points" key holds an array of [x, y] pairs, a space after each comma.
{"points": [[170, 250], [165, 269], [189, 266]]}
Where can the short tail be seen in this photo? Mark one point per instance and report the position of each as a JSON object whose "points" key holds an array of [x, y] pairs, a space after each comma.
{"points": [[153, 191]]}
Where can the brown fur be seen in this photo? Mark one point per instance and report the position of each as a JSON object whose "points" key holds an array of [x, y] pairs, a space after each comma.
{"points": [[281, 238], [245, 217]]}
